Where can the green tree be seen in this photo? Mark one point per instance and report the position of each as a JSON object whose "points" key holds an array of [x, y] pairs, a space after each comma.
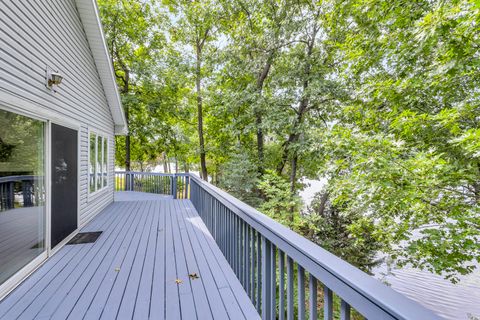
{"points": [[195, 26], [379, 98], [130, 29], [349, 236], [278, 199], [240, 178], [403, 151]]}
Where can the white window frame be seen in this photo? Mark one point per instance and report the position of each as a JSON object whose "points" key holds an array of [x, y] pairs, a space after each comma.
{"points": [[105, 139]]}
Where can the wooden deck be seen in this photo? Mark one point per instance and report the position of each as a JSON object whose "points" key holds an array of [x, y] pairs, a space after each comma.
{"points": [[138, 269]]}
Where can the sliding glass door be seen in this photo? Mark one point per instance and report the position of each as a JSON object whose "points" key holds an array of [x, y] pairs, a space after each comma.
{"points": [[22, 192]]}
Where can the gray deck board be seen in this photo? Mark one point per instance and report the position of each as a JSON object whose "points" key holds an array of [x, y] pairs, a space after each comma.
{"points": [[205, 294], [187, 304], [221, 264], [80, 295], [130, 272]]}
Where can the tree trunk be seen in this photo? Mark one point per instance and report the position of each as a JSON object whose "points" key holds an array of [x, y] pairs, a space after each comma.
{"points": [[260, 144], [203, 161], [258, 114], [125, 90], [127, 144], [294, 136], [165, 167], [293, 181]]}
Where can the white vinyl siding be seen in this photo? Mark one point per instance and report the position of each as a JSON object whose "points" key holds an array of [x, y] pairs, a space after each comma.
{"points": [[36, 34]]}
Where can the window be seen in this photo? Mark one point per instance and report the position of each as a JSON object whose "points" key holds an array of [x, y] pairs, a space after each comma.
{"points": [[98, 166]]}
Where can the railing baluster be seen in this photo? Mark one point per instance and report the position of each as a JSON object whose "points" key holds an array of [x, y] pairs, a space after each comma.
{"points": [[231, 237], [281, 285], [234, 241], [213, 229], [222, 228], [228, 238], [259, 271], [234, 259], [253, 253], [273, 284], [266, 279], [217, 229], [290, 280], [236, 244], [301, 292], [247, 260], [214, 219], [240, 251], [327, 303], [344, 310], [312, 290]]}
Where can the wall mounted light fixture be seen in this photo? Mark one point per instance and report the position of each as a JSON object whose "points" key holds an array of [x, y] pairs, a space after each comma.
{"points": [[53, 78]]}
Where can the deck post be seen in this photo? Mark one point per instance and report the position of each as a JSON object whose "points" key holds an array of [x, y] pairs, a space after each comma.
{"points": [[174, 186]]}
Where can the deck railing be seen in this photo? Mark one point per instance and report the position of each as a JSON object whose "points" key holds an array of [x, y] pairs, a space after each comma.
{"points": [[175, 185], [283, 273], [30, 187]]}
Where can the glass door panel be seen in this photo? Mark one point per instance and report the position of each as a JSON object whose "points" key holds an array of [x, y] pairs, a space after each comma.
{"points": [[22, 192]]}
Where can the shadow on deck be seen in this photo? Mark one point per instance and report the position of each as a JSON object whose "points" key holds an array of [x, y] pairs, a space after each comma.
{"points": [[139, 268]]}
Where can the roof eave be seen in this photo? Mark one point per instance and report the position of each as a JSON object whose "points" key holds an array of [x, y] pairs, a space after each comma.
{"points": [[92, 25]]}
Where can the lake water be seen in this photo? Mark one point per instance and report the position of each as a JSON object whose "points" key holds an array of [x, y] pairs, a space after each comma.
{"points": [[452, 301]]}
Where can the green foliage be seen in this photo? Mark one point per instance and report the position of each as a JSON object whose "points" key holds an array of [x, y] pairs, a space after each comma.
{"points": [[279, 202], [404, 151], [239, 178], [349, 236]]}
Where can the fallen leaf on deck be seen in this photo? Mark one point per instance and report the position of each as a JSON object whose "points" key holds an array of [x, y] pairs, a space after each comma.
{"points": [[178, 281], [193, 276], [117, 269]]}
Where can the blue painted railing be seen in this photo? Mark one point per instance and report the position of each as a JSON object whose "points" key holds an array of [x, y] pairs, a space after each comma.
{"points": [[29, 187], [284, 274], [175, 185]]}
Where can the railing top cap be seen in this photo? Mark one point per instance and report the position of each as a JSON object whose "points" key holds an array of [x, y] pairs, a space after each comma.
{"points": [[19, 178], [153, 173]]}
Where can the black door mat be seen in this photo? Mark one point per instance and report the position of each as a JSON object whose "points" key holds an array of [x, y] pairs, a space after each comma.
{"points": [[85, 237]]}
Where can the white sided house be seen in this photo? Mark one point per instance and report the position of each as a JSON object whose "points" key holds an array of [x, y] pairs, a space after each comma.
{"points": [[59, 112]]}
